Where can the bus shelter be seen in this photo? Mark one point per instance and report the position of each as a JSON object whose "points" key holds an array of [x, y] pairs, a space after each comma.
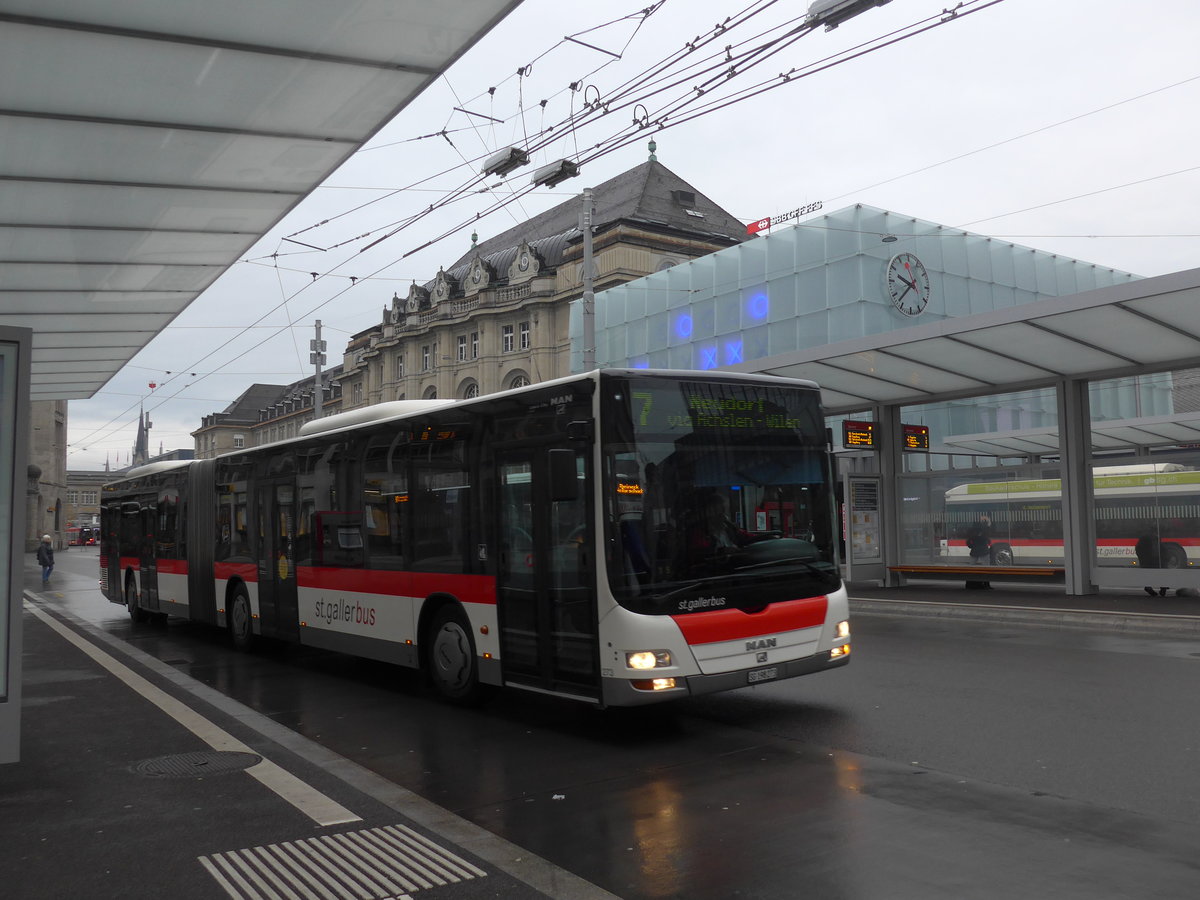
{"points": [[1088, 495]]}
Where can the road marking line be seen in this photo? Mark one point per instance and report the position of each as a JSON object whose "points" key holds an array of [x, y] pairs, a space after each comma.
{"points": [[307, 799]]}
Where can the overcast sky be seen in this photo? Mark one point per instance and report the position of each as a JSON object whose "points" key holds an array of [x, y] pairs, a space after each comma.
{"points": [[1064, 125]]}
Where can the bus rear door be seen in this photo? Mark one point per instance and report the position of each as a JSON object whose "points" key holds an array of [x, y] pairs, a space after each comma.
{"points": [[546, 573]]}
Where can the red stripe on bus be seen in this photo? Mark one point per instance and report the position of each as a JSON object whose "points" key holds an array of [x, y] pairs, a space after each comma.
{"points": [[171, 566], [467, 588], [733, 624], [244, 571]]}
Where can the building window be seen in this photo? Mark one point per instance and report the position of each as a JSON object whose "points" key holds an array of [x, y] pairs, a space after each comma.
{"points": [[89, 498], [356, 393], [399, 366], [73, 497], [239, 441], [519, 381], [474, 345], [462, 348], [506, 339], [425, 358], [524, 335], [471, 392]]}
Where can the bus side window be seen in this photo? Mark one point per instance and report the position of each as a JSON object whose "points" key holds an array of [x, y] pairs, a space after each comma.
{"points": [[385, 500]]}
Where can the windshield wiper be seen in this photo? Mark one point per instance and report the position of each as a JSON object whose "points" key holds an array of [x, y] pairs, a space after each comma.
{"points": [[823, 569]]}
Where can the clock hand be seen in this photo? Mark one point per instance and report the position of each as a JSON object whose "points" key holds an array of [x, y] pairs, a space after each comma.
{"points": [[905, 292]]}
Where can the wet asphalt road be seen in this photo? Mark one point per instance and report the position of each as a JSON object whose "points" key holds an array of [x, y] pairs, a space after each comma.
{"points": [[950, 759]]}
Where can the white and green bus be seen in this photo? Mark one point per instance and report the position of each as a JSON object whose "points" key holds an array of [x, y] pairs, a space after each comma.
{"points": [[1161, 499]]}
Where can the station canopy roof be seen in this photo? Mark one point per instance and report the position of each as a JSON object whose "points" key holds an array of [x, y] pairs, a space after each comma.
{"points": [[147, 145], [1147, 325]]}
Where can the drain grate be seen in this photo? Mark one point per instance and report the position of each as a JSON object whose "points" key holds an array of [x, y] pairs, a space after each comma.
{"points": [[196, 765], [389, 862]]}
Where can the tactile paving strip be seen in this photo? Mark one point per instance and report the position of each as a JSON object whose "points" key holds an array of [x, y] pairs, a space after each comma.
{"points": [[376, 864]]}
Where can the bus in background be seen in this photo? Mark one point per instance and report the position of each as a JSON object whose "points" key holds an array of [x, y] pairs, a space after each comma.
{"points": [[619, 537], [1160, 499]]}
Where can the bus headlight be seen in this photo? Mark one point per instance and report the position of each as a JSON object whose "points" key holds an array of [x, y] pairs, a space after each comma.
{"points": [[843, 629], [648, 659]]}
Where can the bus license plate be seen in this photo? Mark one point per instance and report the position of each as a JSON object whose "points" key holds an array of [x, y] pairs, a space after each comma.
{"points": [[757, 675]]}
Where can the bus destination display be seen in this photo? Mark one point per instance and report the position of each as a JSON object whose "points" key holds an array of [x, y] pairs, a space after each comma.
{"points": [[711, 409]]}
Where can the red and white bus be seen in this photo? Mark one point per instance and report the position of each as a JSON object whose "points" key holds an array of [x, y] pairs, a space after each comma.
{"points": [[1161, 499], [544, 538]]}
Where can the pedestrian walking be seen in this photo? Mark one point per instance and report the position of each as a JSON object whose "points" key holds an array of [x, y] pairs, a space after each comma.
{"points": [[45, 558]]}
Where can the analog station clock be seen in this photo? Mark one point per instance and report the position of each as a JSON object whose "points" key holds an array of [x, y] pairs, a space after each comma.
{"points": [[907, 284]]}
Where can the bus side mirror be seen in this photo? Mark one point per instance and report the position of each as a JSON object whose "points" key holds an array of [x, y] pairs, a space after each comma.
{"points": [[564, 482]]}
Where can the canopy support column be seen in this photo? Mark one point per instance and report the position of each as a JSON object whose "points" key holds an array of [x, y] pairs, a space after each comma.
{"points": [[1075, 450], [891, 466]]}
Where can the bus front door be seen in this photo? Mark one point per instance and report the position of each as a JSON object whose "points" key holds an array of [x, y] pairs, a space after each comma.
{"points": [[277, 596], [546, 576]]}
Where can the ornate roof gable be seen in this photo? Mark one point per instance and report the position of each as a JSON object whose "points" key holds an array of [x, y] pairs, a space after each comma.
{"points": [[479, 276], [443, 287], [526, 264]]}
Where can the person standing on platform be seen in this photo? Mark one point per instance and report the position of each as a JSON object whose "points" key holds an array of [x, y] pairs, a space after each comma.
{"points": [[1149, 556], [979, 545]]}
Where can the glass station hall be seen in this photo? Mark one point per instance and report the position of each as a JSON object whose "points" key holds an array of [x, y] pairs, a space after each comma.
{"points": [[1052, 401]]}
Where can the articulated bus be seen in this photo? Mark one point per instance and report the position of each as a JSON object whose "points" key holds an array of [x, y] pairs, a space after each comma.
{"points": [[547, 538], [1162, 499]]}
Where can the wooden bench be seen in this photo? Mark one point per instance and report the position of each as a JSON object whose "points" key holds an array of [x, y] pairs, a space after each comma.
{"points": [[956, 572]]}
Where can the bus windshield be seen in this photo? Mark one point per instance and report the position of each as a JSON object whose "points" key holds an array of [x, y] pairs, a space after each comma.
{"points": [[717, 494]]}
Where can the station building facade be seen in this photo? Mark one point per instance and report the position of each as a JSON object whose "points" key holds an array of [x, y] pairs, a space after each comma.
{"points": [[860, 273], [497, 317]]}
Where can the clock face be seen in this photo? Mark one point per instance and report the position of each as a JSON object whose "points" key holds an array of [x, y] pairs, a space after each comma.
{"points": [[907, 284], [524, 263]]}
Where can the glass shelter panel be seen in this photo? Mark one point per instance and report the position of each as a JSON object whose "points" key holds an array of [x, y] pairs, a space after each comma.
{"points": [[1147, 514], [1002, 517]]}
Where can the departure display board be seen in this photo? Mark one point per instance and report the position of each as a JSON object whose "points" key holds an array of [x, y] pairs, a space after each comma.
{"points": [[860, 435], [916, 437]]}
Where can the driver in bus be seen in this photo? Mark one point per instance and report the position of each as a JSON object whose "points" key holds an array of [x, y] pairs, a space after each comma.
{"points": [[713, 534]]}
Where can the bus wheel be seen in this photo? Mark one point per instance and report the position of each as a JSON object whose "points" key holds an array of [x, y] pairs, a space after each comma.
{"points": [[241, 627], [1002, 556], [1174, 557], [137, 615], [453, 667]]}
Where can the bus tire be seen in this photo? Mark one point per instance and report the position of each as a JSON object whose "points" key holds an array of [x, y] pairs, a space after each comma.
{"points": [[1002, 555], [137, 615], [452, 663], [241, 623], [1173, 557]]}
